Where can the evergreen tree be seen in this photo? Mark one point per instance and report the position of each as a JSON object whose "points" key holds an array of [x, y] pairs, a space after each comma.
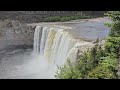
{"points": [[98, 63]]}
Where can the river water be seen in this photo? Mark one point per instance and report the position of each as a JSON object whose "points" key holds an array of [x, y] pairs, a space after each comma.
{"points": [[22, 63]]}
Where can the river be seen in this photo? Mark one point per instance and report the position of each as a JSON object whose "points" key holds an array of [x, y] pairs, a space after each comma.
{"points": [[19, 62]]}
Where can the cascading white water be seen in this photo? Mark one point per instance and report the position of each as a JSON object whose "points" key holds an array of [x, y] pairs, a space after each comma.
{"points": [[55, 44], [37, 36], [49, 43], [43, 39], [64, 47]]}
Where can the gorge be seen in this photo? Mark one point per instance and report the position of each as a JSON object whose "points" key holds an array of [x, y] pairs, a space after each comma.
{"points": [[53, 44]]}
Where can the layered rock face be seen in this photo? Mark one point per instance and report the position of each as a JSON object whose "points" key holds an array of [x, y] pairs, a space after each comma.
{"points": [[15, 33]]}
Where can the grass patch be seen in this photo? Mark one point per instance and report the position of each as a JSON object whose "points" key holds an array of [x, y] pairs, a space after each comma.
{"points": [[65, 18]]}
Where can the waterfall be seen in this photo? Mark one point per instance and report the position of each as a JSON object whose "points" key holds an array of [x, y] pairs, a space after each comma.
{"points": [[55, 44], [43, 40], [49, 42], [64, 47], [37, 38]]}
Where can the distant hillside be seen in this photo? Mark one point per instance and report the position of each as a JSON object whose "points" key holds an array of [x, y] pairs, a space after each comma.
{"points": [[38, 16]]}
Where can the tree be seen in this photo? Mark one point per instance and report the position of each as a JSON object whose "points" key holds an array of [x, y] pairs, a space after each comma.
{"points": [[98, 63], [79, 69]]}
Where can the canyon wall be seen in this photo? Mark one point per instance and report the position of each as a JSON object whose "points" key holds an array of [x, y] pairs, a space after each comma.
{"points": [[15, 33]]}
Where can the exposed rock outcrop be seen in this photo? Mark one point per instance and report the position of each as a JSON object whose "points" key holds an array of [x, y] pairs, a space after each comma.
{"points": [[15, 33]]}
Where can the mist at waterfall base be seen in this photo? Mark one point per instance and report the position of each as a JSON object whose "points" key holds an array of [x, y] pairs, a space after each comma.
{"points": [[40, 68], [47, 51], [50, 49], [24, 64]]}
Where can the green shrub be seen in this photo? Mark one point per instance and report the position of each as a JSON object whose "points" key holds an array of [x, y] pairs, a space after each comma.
{"points": [[112, 43], [113, 15], [105, 70], [79, 69], [112, 46], [101, 72], [67, 72]]}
